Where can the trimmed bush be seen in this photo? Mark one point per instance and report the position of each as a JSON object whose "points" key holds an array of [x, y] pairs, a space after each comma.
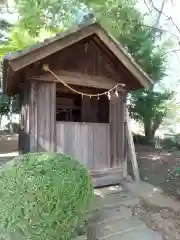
{"points": [[44, 195]]}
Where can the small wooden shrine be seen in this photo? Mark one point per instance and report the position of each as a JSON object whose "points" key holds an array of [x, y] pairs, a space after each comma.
{"points": [[72, 91]]}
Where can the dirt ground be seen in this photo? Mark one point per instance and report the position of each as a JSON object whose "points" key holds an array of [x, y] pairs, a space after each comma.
{"points": [[156, 167], [163, 220], [8, 143]]}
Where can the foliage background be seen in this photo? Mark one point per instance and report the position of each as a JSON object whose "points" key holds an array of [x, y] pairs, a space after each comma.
{"points": [[142, 33]]}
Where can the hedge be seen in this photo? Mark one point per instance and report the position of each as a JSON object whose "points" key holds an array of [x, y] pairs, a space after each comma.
{"points": [[43, 195]]}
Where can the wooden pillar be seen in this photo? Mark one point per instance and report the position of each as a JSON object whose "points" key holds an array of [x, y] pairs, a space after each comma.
{"points": [[42, 116], [131, 150], [24, 130], [117, 137]]}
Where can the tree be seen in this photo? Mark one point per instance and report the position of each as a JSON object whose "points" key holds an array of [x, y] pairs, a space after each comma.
{"points": [[172, 120], [48, 14], [18, 39], [150, 108], [127, 24], [140, 42]]}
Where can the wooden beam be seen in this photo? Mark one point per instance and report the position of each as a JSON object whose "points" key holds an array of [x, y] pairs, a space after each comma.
{"points": [[79, 79], [108, 179], [131, 149]]}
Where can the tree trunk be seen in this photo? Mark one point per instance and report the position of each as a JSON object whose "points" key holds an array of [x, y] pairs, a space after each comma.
{"points": [[148, 130], [157, 122], [148, 133], [150, 127]]}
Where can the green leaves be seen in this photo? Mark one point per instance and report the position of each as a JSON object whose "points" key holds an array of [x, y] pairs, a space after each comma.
{"points": [[122, 20], [44, 195], [51, 15], [19, 39], [150, 108]]}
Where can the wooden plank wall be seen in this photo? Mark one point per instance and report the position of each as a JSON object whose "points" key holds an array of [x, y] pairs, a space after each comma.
{"points": [[42, 116], [117, 131], [87, 142], [24, 130]]}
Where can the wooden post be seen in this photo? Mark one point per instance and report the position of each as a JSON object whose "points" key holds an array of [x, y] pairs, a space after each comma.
{"points": [[131, 149], [43, 117]]}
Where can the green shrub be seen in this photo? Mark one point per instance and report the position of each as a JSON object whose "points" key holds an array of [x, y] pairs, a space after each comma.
{"points": [[171, 143], [44, 195]]}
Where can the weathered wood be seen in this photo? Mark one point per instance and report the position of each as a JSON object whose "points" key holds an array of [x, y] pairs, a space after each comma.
{"points": [[126, 60], [43, 116], [120, 126], [78, 79], [112, 117], [52, 117], [125, 167], [33, 117], [131, 150], [87, 142], [24, 131], [100, 65], [117, 131], [108, 179], [38, 54], [82, 35]]}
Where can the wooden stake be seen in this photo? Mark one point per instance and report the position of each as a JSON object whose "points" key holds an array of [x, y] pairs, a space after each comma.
{"points": [[131, 149]]}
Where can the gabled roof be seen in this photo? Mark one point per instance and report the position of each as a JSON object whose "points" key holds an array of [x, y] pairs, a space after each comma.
{"points": [[16, 61]]}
